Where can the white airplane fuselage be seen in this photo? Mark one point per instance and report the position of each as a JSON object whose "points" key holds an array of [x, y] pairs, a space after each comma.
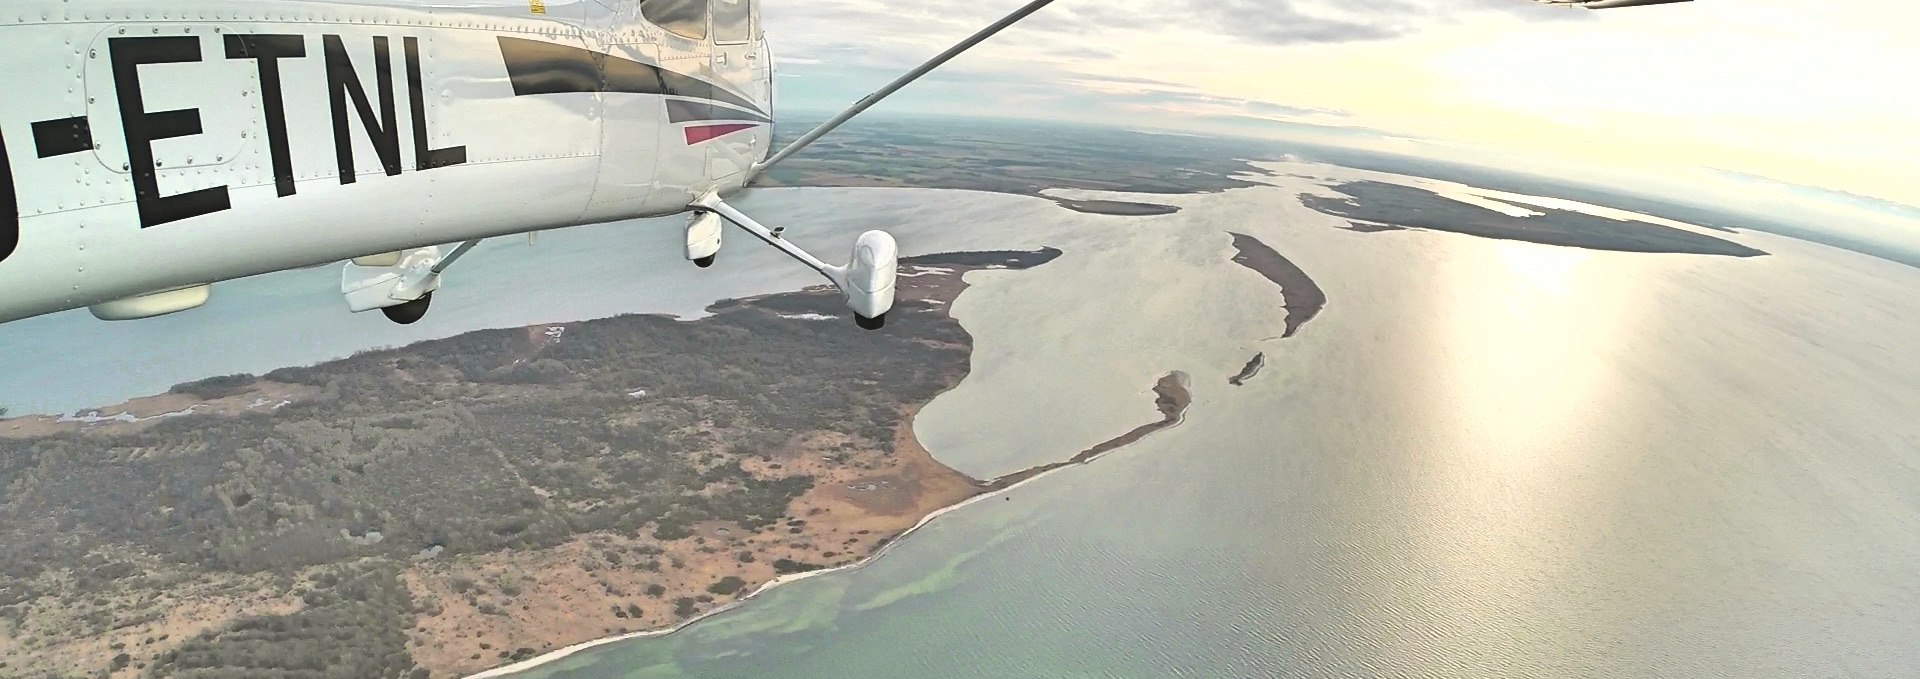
{"points": [[153, 146]]}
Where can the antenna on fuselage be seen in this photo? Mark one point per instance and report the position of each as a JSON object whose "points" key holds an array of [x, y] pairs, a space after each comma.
{"points": [[868, 101]]}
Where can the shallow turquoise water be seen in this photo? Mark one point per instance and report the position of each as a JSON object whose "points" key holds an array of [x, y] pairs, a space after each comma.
{"points": [[1484, 459]]}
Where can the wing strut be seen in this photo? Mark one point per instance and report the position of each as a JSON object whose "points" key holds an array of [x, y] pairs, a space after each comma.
{"points": [[892, 87], [868, 278]]}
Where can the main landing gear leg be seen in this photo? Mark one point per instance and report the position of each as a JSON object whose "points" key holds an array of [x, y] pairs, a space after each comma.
{"points": [[399, 284], [867, 280], [703, 238]]}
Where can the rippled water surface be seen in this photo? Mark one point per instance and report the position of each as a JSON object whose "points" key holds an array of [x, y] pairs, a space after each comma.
{"points": [[1484, 458]]}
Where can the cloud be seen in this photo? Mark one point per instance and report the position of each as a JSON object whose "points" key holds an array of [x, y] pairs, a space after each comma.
{"points": [[1680, 85], [1292, 22], [1826, 194], [1082, 52], [1166, 97], [1061, 60], [883, 26], [1092, 60]]}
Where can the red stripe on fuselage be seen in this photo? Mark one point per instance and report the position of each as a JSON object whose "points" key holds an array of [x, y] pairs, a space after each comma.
{"points": [[700, 133]]}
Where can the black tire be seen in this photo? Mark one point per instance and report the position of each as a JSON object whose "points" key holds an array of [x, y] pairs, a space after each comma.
{"points": [[411, 312], [705, 262], [874, 323]]}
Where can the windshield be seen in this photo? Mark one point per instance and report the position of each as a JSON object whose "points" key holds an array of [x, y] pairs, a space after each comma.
{"points": [[686, 18]]}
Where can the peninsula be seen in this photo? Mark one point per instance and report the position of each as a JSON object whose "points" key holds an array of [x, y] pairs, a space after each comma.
{"points": [[460, 504]]}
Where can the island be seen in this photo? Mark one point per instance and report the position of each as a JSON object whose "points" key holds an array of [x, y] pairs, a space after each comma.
{"points": [[465, 503], [1301, 297], [1370, 227], [1250, 370], [1119, 208], [1374, 207]]}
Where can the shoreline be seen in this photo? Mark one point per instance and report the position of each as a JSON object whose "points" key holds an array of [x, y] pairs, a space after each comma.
{"points": [[1300, 296], [1172, 389], [1116, 208], [862, 493], [1438, 205], [1250, 371]]}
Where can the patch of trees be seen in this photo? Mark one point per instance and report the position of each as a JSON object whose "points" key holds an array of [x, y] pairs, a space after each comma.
{"points": [[786, 566], [216, 387], [487, 441], [353, 628], [727, 586]]}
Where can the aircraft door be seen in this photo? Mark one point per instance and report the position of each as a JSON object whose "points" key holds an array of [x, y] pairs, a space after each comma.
{"points": [[738, 66], [680, 34], [630, 163]]}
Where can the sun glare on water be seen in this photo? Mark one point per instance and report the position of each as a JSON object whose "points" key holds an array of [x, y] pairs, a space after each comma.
{"points": [[1524, 333], [1530, 327]]}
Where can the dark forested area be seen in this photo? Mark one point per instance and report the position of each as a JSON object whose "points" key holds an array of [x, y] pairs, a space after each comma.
{"points": [[499, 439]]}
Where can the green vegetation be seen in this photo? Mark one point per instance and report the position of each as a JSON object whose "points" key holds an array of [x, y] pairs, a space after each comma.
{"points": [[727, 586], [494, 440], [785, 566], [216, 387], [352, 628]]}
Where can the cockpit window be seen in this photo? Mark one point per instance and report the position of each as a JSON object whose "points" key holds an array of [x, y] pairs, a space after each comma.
{"points": [[732, 21], [686, 18]]}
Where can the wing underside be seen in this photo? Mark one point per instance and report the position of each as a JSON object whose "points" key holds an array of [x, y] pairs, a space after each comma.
{"points": [[1608, 4]]}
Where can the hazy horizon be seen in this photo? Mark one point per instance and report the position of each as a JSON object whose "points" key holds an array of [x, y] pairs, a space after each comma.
{"points": [[1875, 226], [1675, 93]]}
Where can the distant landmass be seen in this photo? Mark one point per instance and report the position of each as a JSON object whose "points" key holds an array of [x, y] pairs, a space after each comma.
{"points": [[1022, 158], [1718, 217], [1376, 206], [1026, 158]]}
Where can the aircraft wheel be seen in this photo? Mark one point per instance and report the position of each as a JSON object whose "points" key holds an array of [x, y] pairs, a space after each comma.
{"points": [[705, 262], [874, 323], [407, 314]]}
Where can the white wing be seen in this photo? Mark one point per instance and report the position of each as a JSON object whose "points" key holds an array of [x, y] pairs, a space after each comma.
{"points": [[1608, 4]]}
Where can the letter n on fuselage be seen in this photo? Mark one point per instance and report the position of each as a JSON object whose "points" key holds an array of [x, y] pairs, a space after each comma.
{"points": [[377, 115], [9, 207], [343, 83]]}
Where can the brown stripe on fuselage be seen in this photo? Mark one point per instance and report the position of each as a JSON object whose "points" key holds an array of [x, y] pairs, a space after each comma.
{"points": [[690, 111], [537, 67]]}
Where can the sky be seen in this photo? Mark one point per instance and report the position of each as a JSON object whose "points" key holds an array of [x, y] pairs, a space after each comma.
{"points": [[1726, 94]]}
